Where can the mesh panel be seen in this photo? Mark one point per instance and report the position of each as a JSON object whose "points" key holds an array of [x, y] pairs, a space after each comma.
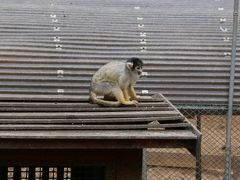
{"points": [[170, 164], [236, 146], [180, 164]]}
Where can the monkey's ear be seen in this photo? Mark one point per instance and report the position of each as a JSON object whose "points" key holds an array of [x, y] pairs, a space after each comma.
{"points": [[129, 65]]}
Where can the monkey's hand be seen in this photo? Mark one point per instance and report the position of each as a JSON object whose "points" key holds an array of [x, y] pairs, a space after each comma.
{"points": [[130, 103], [135, 103], [136, 98]]}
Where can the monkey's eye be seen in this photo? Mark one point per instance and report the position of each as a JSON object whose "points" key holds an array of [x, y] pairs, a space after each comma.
{"points": [[138, 68]]}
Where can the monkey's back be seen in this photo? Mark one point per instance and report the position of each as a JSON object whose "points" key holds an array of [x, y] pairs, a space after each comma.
{"points": [[110, 72]]}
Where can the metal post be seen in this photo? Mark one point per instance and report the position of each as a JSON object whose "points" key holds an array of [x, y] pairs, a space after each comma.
{"points": [[227, 169], [199, 124], [144, 164], [198, 150], [198, 158]]}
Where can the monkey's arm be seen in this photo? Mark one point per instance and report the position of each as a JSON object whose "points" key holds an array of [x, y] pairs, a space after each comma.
{"points": [[132, 93], [119, 94], [125, 93]]}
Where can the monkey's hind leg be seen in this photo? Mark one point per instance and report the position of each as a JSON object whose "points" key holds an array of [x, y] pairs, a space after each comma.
{"points": [[102, 89]]}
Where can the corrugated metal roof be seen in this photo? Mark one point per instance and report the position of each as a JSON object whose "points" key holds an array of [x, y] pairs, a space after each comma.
{"points": [[155, 118], [53, 48]]}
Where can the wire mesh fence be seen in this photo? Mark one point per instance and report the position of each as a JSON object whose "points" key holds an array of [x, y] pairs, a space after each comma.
{"points": [[180, 164], [236, 146]]}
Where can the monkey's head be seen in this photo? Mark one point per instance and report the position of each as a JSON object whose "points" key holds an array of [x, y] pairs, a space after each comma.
{"points": [[135, 65]]}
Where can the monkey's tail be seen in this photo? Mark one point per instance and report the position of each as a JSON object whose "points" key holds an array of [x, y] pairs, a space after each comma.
{"points": [[94, 99]]}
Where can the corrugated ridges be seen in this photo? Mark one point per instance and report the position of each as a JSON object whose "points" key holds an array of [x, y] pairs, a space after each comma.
{"points": [[153, 114], [185, 46]]}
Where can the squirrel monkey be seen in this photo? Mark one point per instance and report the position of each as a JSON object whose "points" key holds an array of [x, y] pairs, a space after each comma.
{"points": [[115, 81]]}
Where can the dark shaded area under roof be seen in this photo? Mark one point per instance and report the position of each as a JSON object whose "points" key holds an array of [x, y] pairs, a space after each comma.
{"points": [[52, 49]]}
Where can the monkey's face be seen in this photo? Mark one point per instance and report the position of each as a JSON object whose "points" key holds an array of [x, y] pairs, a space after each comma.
{"points": [[136, 65], [139, 70]]}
